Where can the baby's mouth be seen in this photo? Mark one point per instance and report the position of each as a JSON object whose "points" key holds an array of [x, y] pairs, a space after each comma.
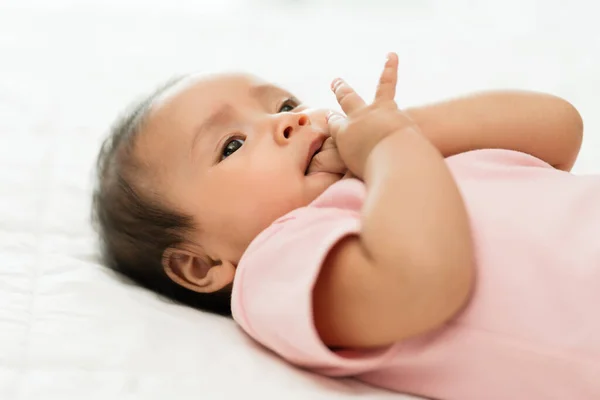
{"points": [[313, 150], [329, 161], [311, 160]]}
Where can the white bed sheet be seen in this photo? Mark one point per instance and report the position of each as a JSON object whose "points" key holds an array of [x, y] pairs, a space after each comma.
{"points": [[69, 329]]}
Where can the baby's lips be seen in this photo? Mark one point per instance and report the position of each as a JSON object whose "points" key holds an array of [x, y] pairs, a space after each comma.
{"points": [[327, 160]]}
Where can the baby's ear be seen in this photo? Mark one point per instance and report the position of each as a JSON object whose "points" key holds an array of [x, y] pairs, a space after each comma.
{"points": [[196, 272]]}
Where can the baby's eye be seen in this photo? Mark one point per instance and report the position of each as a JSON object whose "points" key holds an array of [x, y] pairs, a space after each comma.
{"points": [[289, 105], [231, 147]]}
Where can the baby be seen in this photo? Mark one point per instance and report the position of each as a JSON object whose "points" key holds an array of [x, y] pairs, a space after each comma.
{"points": [[443, 251]]}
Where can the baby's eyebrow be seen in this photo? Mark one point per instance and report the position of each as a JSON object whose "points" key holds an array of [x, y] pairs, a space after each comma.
{"points": [[265, 91], [222, 115], [218, 118]]}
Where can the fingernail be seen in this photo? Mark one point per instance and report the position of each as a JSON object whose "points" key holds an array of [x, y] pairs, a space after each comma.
{"points": [[332, 116], [334, 83]]}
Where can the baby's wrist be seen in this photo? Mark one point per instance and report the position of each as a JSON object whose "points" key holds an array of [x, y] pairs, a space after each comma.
{"points": [[386, 151]]}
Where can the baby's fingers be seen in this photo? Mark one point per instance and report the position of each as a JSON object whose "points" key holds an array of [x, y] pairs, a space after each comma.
{"points": [[386, 89], [328, 159], [348, 99], [336, 122]]}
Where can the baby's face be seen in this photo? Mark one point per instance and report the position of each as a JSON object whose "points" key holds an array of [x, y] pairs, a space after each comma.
{"points": [[232, 151]]}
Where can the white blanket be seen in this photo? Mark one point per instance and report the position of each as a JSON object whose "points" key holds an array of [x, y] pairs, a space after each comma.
{"points": [[70, 329]]}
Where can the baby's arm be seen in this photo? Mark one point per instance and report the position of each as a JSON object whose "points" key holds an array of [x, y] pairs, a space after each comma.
{"points": [[542, 125], [411, 267]]}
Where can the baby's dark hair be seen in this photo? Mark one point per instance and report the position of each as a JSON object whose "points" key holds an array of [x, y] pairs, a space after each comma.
{"points": [[134, 225]]}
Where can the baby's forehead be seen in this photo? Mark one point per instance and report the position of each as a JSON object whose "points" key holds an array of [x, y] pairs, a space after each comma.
{"points": [[198, 96], [211, 85]]}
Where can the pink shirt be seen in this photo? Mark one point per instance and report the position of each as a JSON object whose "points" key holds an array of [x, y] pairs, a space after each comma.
{"points": [[532, 328]]}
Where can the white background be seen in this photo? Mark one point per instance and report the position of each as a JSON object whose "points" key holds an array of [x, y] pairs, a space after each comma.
{"points": [[68, 328]]}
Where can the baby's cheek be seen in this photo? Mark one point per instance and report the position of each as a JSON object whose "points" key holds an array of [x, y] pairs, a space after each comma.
{"points": [[267, 204], [272, 187]]}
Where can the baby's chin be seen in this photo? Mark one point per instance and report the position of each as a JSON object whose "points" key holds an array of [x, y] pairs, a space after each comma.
{"points": [[319, 182]]}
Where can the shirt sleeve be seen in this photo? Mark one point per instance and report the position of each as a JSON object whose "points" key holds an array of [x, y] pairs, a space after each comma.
{"points": [[272, 293]]}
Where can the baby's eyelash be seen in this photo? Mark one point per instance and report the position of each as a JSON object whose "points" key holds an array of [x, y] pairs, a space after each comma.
{"points": [[224, 148], [289, 102]]}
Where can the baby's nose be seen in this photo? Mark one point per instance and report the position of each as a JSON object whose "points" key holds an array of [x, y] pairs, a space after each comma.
{"points": [[291, 125]]}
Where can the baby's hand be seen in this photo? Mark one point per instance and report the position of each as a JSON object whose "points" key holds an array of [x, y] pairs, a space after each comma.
{"points": [[328, 160], [366, 125]]}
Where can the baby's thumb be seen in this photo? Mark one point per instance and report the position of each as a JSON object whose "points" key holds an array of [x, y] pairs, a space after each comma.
{"points": [[335, 121]]}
